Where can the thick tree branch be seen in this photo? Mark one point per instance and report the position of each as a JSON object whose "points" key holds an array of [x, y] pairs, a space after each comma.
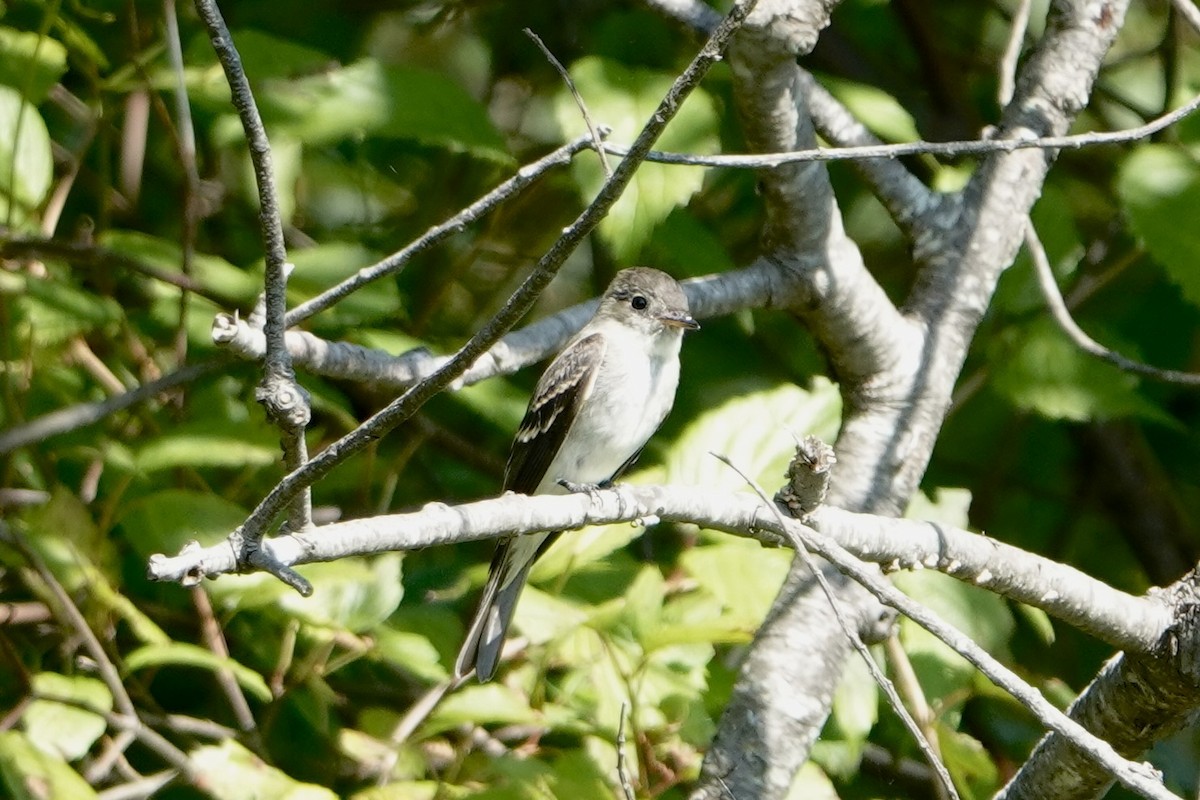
{"points": [[736, 513]]}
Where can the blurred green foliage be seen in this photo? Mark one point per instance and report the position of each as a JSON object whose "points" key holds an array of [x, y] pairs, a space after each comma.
{"points": [[386, 118]]}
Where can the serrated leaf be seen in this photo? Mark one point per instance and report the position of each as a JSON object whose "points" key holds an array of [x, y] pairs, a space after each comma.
{"points": [[231, 772], [31, 774], [1159, 186], [65, 730], [743, 576], [625, 97], [1037, 368], [31, 63], [350, 594], [26, 165], [182, 654], [755, 432]]}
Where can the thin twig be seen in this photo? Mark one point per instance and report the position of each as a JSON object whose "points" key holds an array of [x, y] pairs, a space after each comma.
{"points": [[523, 178], [186, 142], [214, 639], [958, 148], [144, 787], [73, 619], [1187, 9], [286, 403], [1062, 315], [245, 541], [77, 416], [597, 140], [882, 680], [1012, 52], [622, 767]]}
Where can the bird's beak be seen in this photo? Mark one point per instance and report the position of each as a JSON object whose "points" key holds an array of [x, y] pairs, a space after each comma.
{"points": [[679, 319]]}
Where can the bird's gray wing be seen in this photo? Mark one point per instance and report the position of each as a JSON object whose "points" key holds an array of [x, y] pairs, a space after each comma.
{"points": [[555, 404]]}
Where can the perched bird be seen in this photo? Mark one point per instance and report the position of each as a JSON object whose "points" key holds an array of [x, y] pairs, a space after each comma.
{"points": [[591, 413]]}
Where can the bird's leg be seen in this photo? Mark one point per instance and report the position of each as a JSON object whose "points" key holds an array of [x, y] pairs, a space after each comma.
{"points": [[590, 489]]}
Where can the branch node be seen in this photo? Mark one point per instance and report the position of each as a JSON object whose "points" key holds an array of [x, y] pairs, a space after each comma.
{"points": [[807, 477]]}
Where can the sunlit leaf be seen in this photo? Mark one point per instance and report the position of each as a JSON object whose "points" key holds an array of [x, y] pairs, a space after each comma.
{"points": [[54, 311], [485, 704], [212, 272], [182, 654], [625, 98], [351, 594], [66, 730], [32, 774], [163, 522], [231, 772], [974, 772], [409, 651], [886, 116], [981, 615], [755, 431], [30, 63], [26, 166], [1037, 368], [744, 577], [1159, 186], [248, 445]]}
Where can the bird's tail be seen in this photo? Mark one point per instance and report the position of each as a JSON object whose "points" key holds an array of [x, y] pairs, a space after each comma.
{"points": [[485, 638]]}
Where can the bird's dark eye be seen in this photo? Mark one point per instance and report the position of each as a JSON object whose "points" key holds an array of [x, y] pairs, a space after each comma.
{"points": [[639, 302]]}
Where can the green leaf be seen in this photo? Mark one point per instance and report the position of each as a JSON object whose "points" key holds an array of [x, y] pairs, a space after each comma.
{"points": [[320, 267], [625, 98], [30, 63], [26, 166], [970, 765], [984, 617], [352, 594], [54, 311], [212, 272], [28, 773], [1160, 188], [1018, 291], [373, 99], [949, 506], [811, 783], [231, 772], [486, 704], [250, 444], [1037, 368], [744, 577], [65, 730], [165, 521], [883, 114], [409, 651], [755, 432], [856, 702], [182, 654]]}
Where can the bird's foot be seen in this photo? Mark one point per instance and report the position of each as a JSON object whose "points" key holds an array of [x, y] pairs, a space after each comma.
{"points": [[590, 489]]}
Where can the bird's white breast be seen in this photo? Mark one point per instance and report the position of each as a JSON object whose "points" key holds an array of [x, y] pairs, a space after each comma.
{"points": [[632, 393]]}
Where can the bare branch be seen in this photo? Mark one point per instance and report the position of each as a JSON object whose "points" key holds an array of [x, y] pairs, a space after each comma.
{"points": [[597, 137], [1062, 315], [1131, 623]]}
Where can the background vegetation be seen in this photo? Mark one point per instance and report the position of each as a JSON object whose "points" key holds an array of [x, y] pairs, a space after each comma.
{"points": [[386, 118]]}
